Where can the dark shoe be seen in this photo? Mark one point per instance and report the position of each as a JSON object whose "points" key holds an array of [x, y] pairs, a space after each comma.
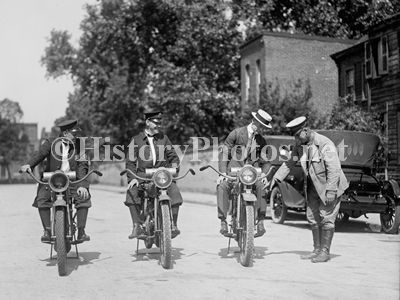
{"points": [[46, 237], [260, 229], [82, 236], [136, 231], [175, 231], [224, 228], [311, 255], [323, 256]]}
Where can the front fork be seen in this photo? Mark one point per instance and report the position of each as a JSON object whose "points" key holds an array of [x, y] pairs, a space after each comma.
{"points": [[60, 202], [161, 198]]}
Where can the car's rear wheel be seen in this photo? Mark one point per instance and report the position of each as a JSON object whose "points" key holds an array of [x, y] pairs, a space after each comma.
{"points": [[278, 207], [390, 219]]}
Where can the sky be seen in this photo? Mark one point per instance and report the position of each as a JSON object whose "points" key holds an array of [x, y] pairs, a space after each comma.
{"points": [[25, 26]]}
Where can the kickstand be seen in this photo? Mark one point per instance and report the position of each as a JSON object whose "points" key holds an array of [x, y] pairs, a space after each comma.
{"points": [[137, 246], [229, 245], [51, 251], [76, 250]]}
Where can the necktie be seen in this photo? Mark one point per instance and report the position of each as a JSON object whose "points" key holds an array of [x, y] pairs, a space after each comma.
{"points": [[65, 163], [152, 148], [248, 147]]}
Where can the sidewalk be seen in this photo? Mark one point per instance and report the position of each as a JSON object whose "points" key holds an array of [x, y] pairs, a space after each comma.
{"points": [[189, 197]]}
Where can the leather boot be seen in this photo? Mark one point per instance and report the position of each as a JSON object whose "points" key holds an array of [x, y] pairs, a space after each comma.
{"points": [[82, 236], [175, 231], [326, 240], [46, 237], [136, 231], [316, 233], [224, 227], [260, 229]]}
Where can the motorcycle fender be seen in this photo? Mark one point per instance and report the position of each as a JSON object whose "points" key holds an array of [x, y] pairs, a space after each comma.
{"points": [[164, 197], [249, 197], [60, 201]]}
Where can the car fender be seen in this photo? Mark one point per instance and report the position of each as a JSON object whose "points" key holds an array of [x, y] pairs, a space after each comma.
{"points": [[290, 196], [392, 189]]}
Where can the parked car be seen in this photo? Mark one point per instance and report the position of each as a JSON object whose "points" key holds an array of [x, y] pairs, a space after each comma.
{"points": [[366, 193]]}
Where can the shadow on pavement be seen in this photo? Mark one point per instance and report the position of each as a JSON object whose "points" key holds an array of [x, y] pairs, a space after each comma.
{"points": [[74, 262], [145, 254], [234, 252], [297, 252], [350, 226]]}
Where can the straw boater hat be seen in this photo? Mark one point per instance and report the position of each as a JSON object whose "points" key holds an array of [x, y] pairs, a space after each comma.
{"points": [[262, 117]]}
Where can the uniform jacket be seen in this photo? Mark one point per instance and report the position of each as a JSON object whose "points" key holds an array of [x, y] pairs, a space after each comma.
{"points": [[324, 166], [53, 164], [139, 154], [231, 153]]}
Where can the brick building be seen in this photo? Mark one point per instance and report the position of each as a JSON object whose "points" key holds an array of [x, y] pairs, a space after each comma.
{"points": [[369, 70], [288, 57]]}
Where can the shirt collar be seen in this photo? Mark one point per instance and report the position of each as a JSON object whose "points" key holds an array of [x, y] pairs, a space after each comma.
{"points": [[250, 130]]}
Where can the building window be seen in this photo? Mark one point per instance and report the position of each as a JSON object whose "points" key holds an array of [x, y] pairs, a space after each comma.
{"points": [[258, 79], [247, 83], [350, 82], [368, 60], [383, 55]]}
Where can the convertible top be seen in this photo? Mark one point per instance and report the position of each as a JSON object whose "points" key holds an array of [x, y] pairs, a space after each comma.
{"points": [[356, 149]]}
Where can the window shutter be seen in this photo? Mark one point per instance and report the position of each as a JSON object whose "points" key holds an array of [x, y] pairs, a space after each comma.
{"points": [[358, 79]]}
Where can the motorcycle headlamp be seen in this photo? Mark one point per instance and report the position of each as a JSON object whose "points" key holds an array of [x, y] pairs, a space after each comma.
{"points": [[59, 182], [162, 179], [248, 175]]}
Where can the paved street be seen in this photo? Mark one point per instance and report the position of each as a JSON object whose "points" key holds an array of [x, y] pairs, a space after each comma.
{"points": [[365, 262]]}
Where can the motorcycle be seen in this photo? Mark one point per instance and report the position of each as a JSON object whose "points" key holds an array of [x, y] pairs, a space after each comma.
{"points": [[63, 216], [242, 209], [156, 209]]}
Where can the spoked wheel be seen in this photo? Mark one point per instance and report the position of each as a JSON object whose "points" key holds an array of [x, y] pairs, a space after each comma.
{"points": [[278, 207], [165, 236], [246, 238], [61, 245], [148, 242], [342, 217], [390, 219]]}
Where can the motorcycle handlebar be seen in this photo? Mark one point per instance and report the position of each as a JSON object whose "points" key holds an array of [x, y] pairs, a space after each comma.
{"points": [[150, 179], [221, 174], [97, 172], [34, 177], [73, 182]]}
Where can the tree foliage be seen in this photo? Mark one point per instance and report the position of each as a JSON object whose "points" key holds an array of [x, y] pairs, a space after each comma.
{"points": [[283, 105], [10, 110], [183, 57]]}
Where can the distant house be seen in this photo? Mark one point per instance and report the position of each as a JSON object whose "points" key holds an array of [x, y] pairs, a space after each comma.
{"points": [[370, 72], [288, 57]]}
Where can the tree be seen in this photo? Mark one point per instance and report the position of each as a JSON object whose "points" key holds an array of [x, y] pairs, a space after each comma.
{"points": [[10, 110], [130, 47], [332, 18], [126, 45], [13, 144], [283, 105]]}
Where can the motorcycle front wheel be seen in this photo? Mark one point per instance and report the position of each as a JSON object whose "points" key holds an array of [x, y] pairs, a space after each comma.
{"points": [[61, 246], [246, 239], [165, 236]]}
